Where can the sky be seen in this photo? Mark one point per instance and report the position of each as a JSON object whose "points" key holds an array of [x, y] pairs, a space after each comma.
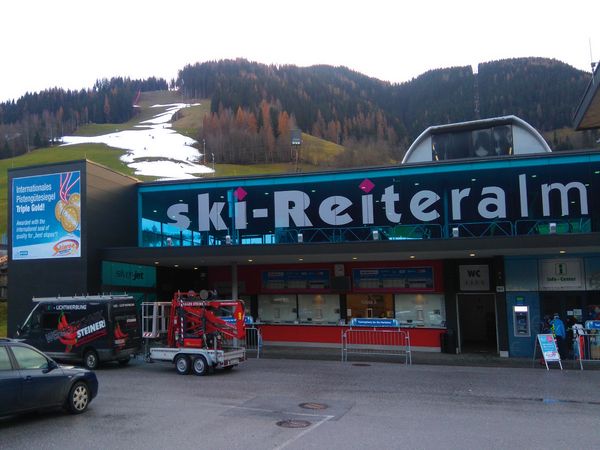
{"points": [[72, 43]]}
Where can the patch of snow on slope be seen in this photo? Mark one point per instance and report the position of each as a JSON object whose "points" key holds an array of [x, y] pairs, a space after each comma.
{"points": [[153, 148]]}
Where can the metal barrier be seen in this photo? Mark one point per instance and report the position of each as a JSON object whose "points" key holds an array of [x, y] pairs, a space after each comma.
{"points": [[254, 341], [586, 347], [374, 341]]}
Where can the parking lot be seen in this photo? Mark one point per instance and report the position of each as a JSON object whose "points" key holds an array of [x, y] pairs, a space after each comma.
{"points": [[327, 404]]}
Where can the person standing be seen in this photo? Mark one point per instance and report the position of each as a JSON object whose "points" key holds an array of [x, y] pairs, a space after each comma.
{"points": [[560, 334]]}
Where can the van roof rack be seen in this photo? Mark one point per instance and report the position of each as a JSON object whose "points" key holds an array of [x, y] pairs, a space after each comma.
{"points": [[83, 298]]}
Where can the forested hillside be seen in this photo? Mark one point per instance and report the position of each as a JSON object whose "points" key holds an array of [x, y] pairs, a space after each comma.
{"points": [[255, 106], [38, 119]]}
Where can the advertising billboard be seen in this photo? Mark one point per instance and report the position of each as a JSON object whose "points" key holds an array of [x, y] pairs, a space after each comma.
{"points": [[46, 216]]}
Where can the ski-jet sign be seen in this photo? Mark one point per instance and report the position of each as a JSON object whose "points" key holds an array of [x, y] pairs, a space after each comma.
{"points": [[383, 201]]}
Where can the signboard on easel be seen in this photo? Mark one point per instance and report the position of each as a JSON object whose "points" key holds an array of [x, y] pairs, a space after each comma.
{"points": [[549, 349]]}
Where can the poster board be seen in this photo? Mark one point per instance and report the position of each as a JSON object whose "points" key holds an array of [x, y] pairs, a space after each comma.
{"points": [[46, 216], [549, 349]]}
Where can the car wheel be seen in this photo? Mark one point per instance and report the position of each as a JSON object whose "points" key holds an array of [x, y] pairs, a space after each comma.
{"points": [[123, 362], [90, 360], [79, 398], [200, 367], [182, 364]]}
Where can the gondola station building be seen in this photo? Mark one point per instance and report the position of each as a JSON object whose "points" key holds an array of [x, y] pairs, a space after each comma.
{"points": [[478, 234]]}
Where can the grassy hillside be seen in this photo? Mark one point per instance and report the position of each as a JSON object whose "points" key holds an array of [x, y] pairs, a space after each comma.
{"points": [[316, 154], [189, 120], [3, 318], [146, 110]]}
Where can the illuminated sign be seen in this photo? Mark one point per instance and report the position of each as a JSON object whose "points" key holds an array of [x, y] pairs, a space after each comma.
{"points": [[46, 216]]}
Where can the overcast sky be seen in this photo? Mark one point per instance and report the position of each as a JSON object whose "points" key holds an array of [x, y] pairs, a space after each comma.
{"points": [[71, 43]]}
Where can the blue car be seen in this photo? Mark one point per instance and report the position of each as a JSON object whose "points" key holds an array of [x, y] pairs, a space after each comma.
{"points": [[30, 380]]}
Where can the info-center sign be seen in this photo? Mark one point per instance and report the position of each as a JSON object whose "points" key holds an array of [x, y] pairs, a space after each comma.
{"points": [[46, 216]]}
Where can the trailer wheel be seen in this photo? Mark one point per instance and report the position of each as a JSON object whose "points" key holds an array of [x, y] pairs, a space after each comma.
{"points": [[182, 364], [90, 360], [199, 366]]}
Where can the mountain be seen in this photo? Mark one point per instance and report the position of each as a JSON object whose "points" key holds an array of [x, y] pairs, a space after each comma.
{"points": [[349, 108], [255, 107]]}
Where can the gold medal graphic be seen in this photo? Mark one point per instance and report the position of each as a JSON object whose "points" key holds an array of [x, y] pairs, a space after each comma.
{"points": [[75, 200], [68, 208], [58, 209], [70, 218]]}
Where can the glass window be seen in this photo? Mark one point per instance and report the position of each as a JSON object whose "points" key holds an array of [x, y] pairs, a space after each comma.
{"points": [[425, 310], [50, 320], [370, 305], [319, 308], [151, 233], [503, 140], [481, 143], [277, 308], [29, 359], [4, 360]]}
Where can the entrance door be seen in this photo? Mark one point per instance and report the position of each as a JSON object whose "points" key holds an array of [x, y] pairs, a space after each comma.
{"points": [[477, 323]]}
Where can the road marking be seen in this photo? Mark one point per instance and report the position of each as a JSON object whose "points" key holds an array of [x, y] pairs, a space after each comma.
{"points": [[302, 433]]}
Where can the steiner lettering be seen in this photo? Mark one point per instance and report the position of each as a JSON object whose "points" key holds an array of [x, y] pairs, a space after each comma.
{"points": [[91, 329]]}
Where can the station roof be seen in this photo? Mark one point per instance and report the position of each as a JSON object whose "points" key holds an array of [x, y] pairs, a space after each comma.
{"points": [[587, 116], [421, 249]]}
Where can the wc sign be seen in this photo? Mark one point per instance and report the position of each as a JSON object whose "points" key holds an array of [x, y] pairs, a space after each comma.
{"points": [[474, 277]]}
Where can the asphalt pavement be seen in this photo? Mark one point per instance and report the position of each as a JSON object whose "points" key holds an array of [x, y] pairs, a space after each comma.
{"points": [[276, 403], [480, 359]]}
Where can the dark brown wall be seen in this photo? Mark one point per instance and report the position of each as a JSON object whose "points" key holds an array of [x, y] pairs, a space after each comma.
{"points": [[108, 219], [42, 277], [111, 213]]}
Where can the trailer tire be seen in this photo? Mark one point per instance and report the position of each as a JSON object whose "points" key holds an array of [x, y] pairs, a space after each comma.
{"points": [[90, 359], [200, 366], [182, 364]]}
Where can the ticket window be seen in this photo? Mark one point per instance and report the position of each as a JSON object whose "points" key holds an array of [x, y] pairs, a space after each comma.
{"points": [[521, 321], [277, 309], [319, 308], [420, 310], [370, 305]]}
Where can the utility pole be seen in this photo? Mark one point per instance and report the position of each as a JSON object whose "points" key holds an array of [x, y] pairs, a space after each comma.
{"points": [[296, 142]]}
